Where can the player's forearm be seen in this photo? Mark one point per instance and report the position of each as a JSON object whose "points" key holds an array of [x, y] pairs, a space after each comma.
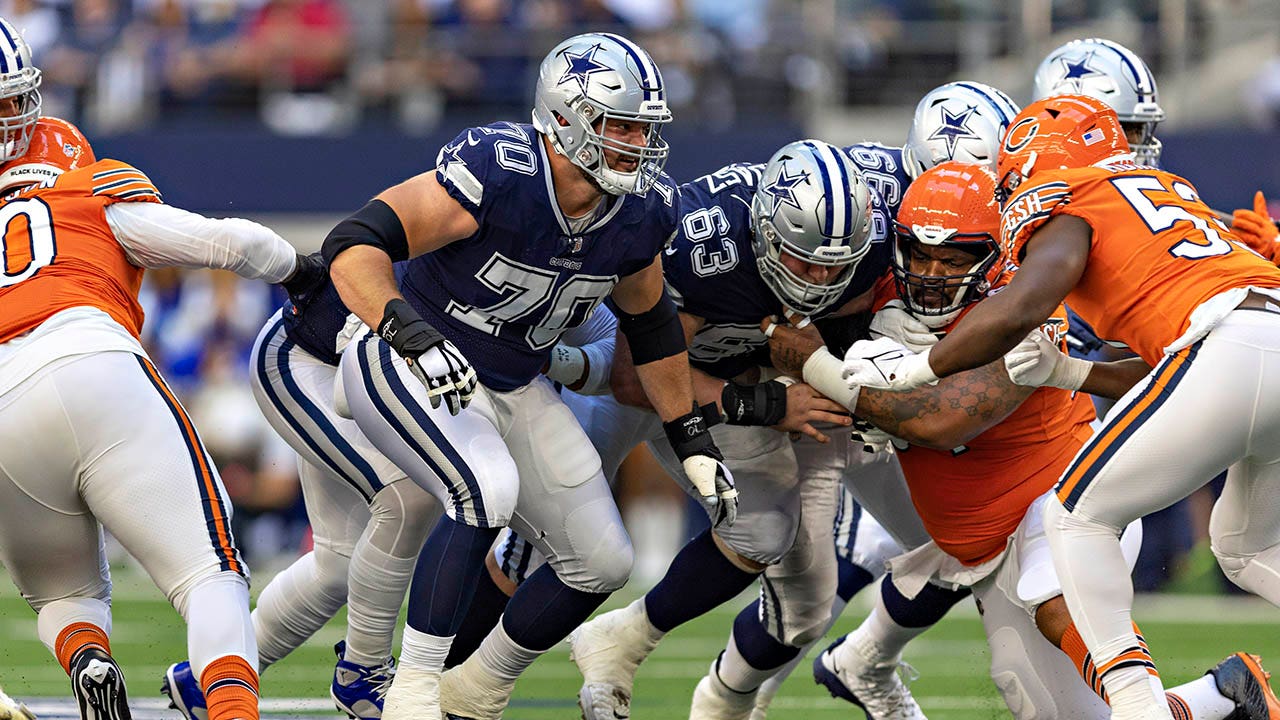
{"points": [[365, 281], [668, 385], [1114, 379], [949, 414], [155, 235], [991, 329]]}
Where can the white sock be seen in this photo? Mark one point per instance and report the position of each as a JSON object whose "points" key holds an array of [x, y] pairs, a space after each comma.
{"points": [[736, 673], [1202, 696], [298, 602], [1134, 696], [59, 614], [878, 639], [376, 589], [421, 651], [218, 624], [500, 657]]}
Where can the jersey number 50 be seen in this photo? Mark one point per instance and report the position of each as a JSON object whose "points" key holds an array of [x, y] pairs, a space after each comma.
{"points": [[25, 250], [1135, 189]]}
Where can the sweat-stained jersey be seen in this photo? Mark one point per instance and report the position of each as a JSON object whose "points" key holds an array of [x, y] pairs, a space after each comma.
{"points": [[711, 268], [59, 252], [505, 295], [1158, 252], [972, 498]]}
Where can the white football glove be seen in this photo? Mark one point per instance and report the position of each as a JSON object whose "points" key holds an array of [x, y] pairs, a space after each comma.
{"points": [[886, 365], [894, 322], [873, 439], [714, 484], [447, 376], [703, 464], [1037, 362]]}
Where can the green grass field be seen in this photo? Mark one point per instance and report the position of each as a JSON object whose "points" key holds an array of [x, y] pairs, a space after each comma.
{"points": [[1187, 635]]}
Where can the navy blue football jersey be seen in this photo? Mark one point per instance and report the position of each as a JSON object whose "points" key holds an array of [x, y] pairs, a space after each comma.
{"points": [[711, 270], [506, 294], [315, 326], [883, 170]]}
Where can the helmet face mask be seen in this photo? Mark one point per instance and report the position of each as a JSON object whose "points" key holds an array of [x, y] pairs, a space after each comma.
{"points": [[971, 257], [19, 94], [1113, 74], [590, 82], [813, 205], [958, 121]]}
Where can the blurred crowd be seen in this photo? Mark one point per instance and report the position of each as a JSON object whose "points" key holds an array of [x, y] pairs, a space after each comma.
{"points": [[316, 67]]}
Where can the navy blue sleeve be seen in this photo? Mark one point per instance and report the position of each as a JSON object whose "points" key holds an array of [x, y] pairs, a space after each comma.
{"points": [[478, 163]]}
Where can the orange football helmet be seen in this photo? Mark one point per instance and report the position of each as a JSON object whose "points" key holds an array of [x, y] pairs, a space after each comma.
{"points": [[1063, 131], [56, 147], [951, 205]]}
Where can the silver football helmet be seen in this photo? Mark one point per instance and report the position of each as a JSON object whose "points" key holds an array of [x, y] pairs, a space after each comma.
{"points": [[1113, 74], [585, 82], [19, 84], [812, 203], [962, 121]]}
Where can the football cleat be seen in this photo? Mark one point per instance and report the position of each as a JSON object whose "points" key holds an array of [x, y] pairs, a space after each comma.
{"points": [[608, 651], [1241, 679], [11, 709], [98, 686], [184, 693], [470, 694], [713, 700], [360, 690], [873, 685], [414, 695]]}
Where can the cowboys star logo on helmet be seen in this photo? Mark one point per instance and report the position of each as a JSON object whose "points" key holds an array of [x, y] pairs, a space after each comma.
{"points": [[783, 189], [581, 66], [1074, 71], [954, 128]]}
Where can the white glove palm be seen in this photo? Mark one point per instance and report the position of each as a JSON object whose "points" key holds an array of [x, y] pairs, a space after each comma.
{"points": [[1038, 362], [886, 365], [713, 482], [447, 376], [894, 322]]}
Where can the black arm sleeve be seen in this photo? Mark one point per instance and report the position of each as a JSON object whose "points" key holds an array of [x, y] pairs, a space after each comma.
{"points": [[374, 224], [653, 334]]}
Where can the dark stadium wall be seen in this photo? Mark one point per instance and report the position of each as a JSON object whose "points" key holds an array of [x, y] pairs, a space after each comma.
{"points": [[225, 171], [253, 171]]}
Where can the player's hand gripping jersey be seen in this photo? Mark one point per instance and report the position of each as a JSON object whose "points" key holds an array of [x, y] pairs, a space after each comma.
{"points": [[711, 268], [530, 273], [972, 498], [1158, 252]]}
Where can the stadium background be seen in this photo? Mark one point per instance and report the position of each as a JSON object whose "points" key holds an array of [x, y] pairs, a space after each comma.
{"points": [[294, 112]]}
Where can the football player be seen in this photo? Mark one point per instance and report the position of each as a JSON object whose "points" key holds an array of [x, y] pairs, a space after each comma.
{"points": [[515, 236], [367, 522], [961, 121], [981, 454], [1139, 256], [805, 232], [93, 436]]}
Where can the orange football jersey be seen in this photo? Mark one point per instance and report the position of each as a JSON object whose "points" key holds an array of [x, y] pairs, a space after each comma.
{"points": [[59, 252], [972, 498], [1158, 252]]}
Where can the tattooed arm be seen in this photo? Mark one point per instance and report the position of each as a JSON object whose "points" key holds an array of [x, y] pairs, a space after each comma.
{"points": [[949, 414]]}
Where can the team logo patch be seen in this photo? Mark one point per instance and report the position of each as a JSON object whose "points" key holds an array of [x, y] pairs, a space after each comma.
{"points": [[1021, 133], [581, 67], [69, 149], [783, 189], [1074, 72], [955, 127]]}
